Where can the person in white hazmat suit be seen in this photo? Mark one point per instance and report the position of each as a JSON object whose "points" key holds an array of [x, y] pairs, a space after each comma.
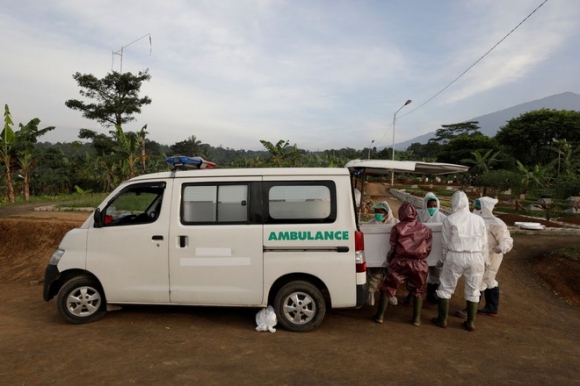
{"points": [[499, 242], [430, 214], [383, 215], [464, 253]]}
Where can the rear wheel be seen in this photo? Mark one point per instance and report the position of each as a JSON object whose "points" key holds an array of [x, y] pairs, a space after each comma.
{"points": [[81, 300], [299, 306]]}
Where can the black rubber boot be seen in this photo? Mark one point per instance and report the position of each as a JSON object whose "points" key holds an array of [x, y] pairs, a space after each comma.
{"points": [[491, 302], [432, 294], [381, 309], [417, 305], [441, 319], [469, 324]]}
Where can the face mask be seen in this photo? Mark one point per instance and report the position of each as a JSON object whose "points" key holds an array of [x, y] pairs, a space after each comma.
{"points": [[477, 212], [379, 216], [431, 211]]}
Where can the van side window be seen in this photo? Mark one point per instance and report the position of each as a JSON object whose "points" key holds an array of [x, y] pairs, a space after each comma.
{"points": [[221, 203], [301, 202], [137, 204]]}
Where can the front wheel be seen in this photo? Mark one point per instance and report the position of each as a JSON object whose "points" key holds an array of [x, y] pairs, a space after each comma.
{"points": [[81, 300], [299, 306]]}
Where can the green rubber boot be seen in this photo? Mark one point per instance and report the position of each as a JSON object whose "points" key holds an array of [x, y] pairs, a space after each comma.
{"points": [[381, 309], [469, 324], [417, 305], [441, 320]]}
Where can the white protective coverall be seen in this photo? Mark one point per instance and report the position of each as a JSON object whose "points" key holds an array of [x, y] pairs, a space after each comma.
{"points": [[425, 217], [499, 242], [375, 276], [464, 244]]}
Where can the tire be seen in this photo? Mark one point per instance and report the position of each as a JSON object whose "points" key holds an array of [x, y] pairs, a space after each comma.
{"points": [[299, 306], [81, 300]]}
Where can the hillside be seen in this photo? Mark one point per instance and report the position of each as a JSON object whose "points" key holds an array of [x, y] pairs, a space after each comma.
{"points": [[491, 123]]}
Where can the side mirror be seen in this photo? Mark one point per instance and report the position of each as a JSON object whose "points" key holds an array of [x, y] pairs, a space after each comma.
{"points": [[98, 218]]}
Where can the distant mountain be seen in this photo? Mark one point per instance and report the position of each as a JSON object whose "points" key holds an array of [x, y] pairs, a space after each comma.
{"points": [[491, 123]]}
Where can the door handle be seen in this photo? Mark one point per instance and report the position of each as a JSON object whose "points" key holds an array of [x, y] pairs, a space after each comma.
{"points": [[157, 237]]}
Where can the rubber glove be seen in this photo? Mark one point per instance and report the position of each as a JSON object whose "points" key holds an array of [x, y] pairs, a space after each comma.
{"points": [[439, 264], [497, 249]]}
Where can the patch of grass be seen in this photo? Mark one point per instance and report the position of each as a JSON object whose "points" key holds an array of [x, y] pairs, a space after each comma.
{"points": [[74, 200], [571, 252], [89, 200]]}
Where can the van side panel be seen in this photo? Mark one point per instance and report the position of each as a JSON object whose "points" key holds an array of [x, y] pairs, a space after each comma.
{"points": [[215, 243], [322, 243]]}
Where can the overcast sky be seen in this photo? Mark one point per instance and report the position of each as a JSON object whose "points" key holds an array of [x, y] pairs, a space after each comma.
{"points": [[321, 73]]}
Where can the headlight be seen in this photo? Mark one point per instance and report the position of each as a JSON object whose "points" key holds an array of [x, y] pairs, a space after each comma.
{"points": [[54, 259]]}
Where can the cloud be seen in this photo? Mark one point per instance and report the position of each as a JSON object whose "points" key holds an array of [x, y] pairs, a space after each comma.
{"points": [[322, 74]]}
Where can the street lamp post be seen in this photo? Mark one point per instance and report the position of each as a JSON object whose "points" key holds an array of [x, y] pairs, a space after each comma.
{"points": [[370, 147], [394, 120]]}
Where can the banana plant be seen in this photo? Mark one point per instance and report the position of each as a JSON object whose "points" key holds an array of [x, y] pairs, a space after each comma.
{"points": [[6, 145]]}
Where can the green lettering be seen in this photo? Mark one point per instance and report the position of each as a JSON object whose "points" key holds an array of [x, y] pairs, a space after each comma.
{"points": [[345, 235], [319, 236], [338, 235], [293, 235], [310, 237], [272, 236], [302, 235], [283, 236], [328, 235]]}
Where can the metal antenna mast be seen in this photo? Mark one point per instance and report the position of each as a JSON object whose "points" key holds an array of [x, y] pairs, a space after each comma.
{"points": [[120, 52]]}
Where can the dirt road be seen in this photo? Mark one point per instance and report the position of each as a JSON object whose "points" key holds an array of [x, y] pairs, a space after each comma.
{"points": [[534, 341]]}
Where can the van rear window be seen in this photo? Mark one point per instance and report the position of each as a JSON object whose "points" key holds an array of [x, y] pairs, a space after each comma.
{"points": [[299, 202]]}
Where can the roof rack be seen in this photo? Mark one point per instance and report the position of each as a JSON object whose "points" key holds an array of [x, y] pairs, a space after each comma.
{"points": [[181, 162]]}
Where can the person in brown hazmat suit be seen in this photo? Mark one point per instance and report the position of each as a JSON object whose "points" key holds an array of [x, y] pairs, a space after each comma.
{"points": [[411, 243]]}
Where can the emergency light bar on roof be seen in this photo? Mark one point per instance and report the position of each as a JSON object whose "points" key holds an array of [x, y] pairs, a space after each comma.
{"points": [[184, 162], [379, 166]]}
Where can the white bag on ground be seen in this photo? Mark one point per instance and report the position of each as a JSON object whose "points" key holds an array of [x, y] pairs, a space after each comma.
{"points": [[266, 319]]}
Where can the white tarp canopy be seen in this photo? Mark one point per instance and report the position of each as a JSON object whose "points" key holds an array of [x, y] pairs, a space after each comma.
{"points": [[381, 166]]}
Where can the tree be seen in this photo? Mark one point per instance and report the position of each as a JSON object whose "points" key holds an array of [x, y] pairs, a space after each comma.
{"points": [[7, 139], [483, 163], [531, 136], [190, 147], [278, 153], [16, 148], [425, 152], [532, 177], [128, 150], [24, 146], [568, 160], [463, 146], [449, 132], [116, 95]]}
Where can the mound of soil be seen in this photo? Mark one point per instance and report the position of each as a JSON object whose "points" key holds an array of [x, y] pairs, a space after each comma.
{"points": [[562, 275], [27, 244]]}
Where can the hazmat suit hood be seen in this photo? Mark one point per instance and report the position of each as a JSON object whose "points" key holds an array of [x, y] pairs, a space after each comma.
{"points": [[459, 202], [487, 205], [407, 212], [429, 197]]}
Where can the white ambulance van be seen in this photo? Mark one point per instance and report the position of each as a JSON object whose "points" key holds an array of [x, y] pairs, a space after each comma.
{"points": [[285, 237]]}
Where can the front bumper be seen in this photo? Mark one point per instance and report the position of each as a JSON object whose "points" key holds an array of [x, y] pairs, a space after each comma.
{"points": [[50, 274]]}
